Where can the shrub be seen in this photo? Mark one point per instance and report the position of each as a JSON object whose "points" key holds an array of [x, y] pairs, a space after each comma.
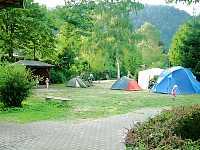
{"points": [[175, 129], [57, 76], [188, 126], [15, 84]]}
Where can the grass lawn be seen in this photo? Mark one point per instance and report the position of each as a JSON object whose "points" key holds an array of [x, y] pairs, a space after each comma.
{"points": [[94, 102]]}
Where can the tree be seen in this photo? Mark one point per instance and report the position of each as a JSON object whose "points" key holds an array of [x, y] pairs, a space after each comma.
{"points": [[10, 30], [26, 31], [74, 24], [150, 46], [39, 41], [68, 44], [185, 48], [94, 36], [113, 37]]}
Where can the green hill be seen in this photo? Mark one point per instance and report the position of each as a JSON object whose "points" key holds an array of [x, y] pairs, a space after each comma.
{"points": [[167, 19]]}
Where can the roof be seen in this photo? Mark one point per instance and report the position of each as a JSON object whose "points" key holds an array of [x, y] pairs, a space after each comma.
{"points": [[168, 71], [11, 3], [32, 63]]}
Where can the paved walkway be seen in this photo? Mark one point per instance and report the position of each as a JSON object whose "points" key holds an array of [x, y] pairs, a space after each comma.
{"points": [[102, 134]]}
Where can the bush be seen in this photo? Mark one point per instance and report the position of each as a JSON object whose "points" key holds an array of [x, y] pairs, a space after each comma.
{"points": [[175, 129], [57, 77], [15, 84]]}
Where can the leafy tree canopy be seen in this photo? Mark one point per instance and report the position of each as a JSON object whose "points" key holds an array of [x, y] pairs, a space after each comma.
{"points": [[113, 38], [94, 35], [150, 46], [27, 31], [185, 48]]}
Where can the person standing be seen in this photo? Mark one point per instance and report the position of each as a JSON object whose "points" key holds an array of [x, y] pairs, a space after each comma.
{"points": [[37, 81], [174, 91], [47, 83]]}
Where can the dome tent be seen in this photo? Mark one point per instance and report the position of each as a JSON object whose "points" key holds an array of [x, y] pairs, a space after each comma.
{"points": [[126, 83], [76, 83], [182, 77]]}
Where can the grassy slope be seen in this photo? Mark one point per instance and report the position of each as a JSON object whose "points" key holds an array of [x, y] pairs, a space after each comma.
{"points": [[93, 102]]}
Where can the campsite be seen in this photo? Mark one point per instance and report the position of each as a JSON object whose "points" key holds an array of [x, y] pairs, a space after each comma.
{"points": [[90, 103], [99, 75]]}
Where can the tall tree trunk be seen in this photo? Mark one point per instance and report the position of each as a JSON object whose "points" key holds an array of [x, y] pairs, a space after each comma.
{"points": [[10, 51], [34, 52], [9, 30], [12, 32], [118, 68]]}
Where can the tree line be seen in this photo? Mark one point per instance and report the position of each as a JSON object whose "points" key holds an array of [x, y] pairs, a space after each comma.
{"points": [[81, 37]]}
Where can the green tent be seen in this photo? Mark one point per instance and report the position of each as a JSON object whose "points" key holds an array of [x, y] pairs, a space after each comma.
{"points": [[76, 83]]}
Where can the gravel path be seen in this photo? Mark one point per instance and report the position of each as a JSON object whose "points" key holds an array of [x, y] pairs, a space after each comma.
{"points": [[101, 134]]}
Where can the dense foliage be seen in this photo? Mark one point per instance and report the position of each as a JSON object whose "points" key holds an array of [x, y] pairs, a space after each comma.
{"points": [[175, 129], [151, 46], [112, 39], [185, 48], [83, 37], [94, 37], [166, 19], [26, 32], [15, 84]]}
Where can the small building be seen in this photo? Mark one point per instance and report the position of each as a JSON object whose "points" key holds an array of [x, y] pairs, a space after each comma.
{"points": [[38, 68], [11, 3]]}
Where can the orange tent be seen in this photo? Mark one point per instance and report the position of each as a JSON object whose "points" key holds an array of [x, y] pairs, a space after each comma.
{"points": [[127, 84], [133, 86]]}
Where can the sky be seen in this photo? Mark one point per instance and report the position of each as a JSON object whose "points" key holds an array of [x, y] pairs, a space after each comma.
{"points": [[181, 6]]}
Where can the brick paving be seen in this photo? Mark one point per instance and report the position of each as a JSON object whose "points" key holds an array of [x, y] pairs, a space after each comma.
{"points": [[101, 134]]}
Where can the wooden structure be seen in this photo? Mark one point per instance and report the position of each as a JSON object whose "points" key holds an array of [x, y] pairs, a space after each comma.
{"points": [[61, 99], [11, 3], [38, 68]]}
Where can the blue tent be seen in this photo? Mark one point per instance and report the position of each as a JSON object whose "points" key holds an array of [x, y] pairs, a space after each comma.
{"points": [[182, 77], [120, 84], [126, 83]]}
